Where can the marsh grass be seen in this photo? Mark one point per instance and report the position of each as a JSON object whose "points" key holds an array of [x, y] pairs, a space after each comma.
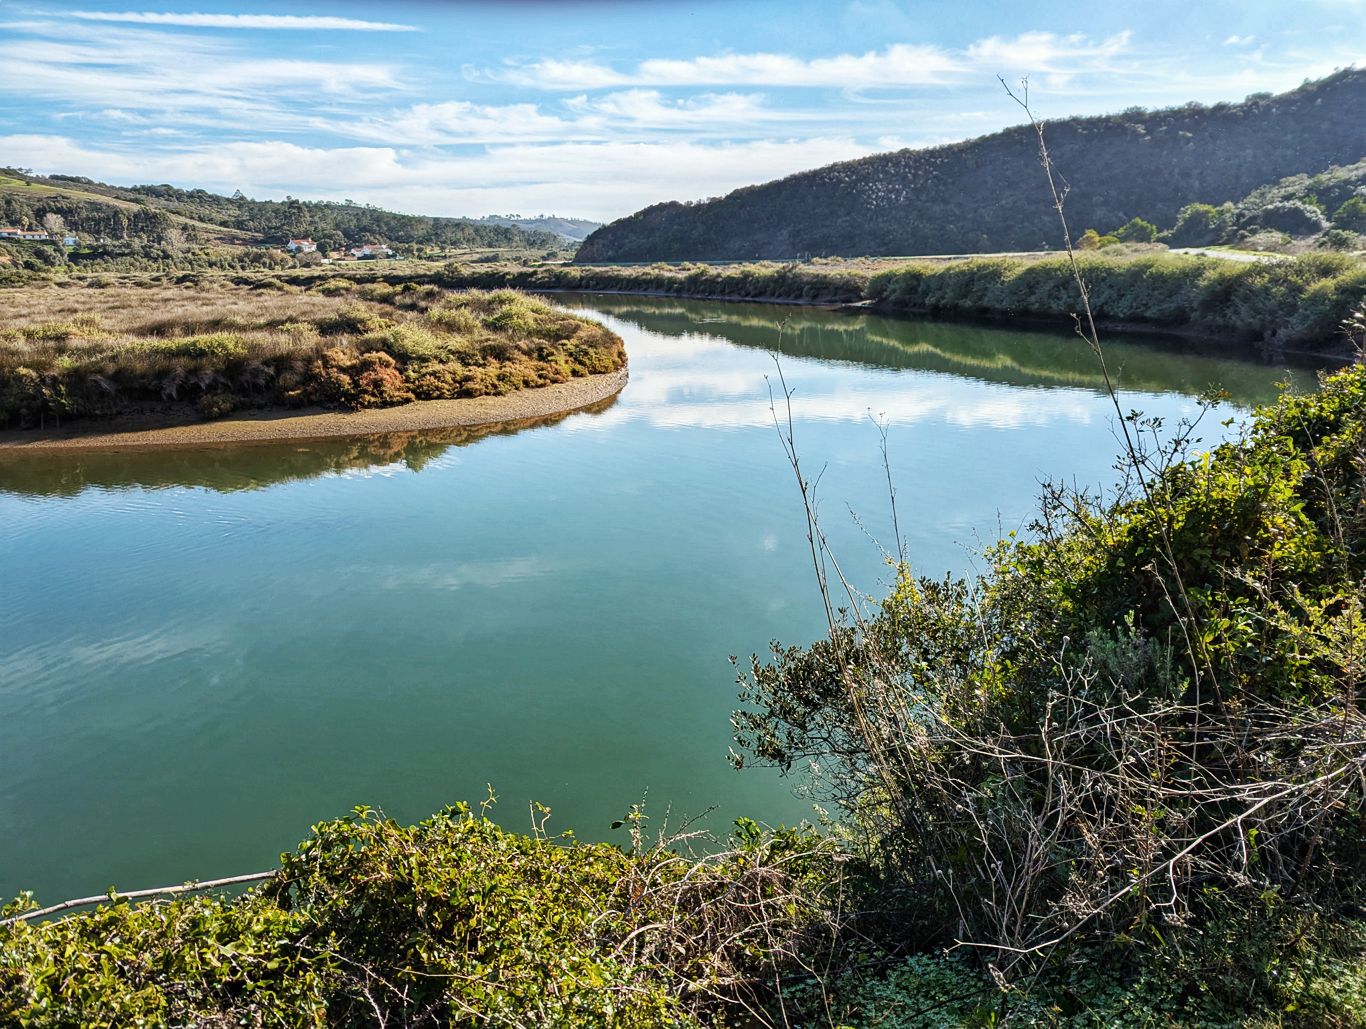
{"points": [[222, 345]]}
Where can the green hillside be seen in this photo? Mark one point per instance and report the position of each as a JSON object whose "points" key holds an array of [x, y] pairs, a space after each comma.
{"points": [[165, 216], [988, 194], [1328, 207]]}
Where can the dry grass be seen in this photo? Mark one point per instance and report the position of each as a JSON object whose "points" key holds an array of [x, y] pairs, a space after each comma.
{"points": [[70, 352]]}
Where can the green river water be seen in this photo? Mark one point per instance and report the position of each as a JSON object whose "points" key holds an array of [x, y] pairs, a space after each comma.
{"points": [[203, 652]]}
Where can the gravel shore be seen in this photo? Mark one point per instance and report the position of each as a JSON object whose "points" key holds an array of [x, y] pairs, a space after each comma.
{"points": [[313, 423]]}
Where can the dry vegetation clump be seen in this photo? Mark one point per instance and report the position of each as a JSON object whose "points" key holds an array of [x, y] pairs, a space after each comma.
{"points": [[224, 345]]}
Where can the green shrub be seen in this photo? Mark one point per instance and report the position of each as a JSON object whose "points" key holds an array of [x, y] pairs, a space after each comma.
{"points": [[377, 292], [333, 287], [1136, 230], [354, 319], [215, 345], [1018, 752], [1351, 215], [451, 921]]}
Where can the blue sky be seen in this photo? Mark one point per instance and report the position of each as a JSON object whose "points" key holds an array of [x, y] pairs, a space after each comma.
{"points": [[596, 108]]}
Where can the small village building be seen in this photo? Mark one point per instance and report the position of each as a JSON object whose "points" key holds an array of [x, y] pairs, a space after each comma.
{"points": [[371, 250], [13, 233], [301, 246]]}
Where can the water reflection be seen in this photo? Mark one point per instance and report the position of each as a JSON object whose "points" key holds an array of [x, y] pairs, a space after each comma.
{"points": [[232, 467], [1008, 356]]}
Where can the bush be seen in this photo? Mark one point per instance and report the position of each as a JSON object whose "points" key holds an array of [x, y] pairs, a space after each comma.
{"points": [[1137, 231], [333, 287], [1295, 218], [451, 921], [1139, 732], [1351, 215], [1294, 302]]}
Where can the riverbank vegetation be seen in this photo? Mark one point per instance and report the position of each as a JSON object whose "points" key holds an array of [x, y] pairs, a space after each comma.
{"points": [[1117, 779], [155, 348], [1296, 303]]}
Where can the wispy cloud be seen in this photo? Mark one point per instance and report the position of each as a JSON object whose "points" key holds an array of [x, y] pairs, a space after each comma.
{"points": [[244, 21], [143, 71], [628, 114], [899, 65]]}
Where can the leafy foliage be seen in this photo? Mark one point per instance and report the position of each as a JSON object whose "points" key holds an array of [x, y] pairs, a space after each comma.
{"points": [[1135, 739], [449, 922]]}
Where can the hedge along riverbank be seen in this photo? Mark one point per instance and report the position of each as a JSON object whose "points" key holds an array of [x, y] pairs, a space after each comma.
{"points": [[1296, 304]]}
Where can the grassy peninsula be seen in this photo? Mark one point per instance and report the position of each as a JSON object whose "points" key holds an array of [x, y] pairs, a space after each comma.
{"points": [[153, 347]]}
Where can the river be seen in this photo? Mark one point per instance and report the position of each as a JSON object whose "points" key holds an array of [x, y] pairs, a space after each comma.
{"points": [[204, 652]]}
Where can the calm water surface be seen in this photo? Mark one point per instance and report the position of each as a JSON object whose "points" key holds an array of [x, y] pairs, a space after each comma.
{"points": [[202, 653]]}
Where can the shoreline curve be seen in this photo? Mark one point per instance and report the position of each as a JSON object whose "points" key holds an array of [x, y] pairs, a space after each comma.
{"points": [[281, 425]]}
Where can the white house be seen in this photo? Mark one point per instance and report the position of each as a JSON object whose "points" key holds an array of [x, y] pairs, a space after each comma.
{"points": [[301, 246], [12, 233], [371, 250]]}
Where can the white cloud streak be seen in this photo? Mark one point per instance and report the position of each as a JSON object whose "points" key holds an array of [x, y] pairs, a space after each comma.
{"points": [[619, 115], [244, 21], [145, 70], [899, 65]]}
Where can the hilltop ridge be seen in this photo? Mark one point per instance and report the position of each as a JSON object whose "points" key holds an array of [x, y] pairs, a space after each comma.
{"points": [[986, 194]]}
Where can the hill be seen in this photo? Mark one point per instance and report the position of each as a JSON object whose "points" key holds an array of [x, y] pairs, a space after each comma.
{"points": [[987, 194], [1327, 208], [165, 216], [576, 229]]}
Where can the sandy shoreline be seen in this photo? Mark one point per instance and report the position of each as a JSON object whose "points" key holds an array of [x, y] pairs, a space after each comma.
{"points": [[316, 423]]}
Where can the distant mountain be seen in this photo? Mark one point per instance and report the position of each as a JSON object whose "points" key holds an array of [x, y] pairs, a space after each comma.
{"points": [[988, 194], [576, 229], [161, 215]]}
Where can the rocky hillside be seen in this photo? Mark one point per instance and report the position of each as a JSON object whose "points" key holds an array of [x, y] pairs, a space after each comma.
{"points": [[988, 194]]}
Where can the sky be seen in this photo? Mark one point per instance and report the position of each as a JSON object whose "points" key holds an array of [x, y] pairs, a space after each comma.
{"points": [[596, 108]]}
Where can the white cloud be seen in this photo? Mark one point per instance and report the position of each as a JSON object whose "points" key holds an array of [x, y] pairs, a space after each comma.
{"points": [[243, 21], [649, 107], [457, 121], [902, 64], [619, 116], [1047, 53], [1240, 40], [558, 176]]}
